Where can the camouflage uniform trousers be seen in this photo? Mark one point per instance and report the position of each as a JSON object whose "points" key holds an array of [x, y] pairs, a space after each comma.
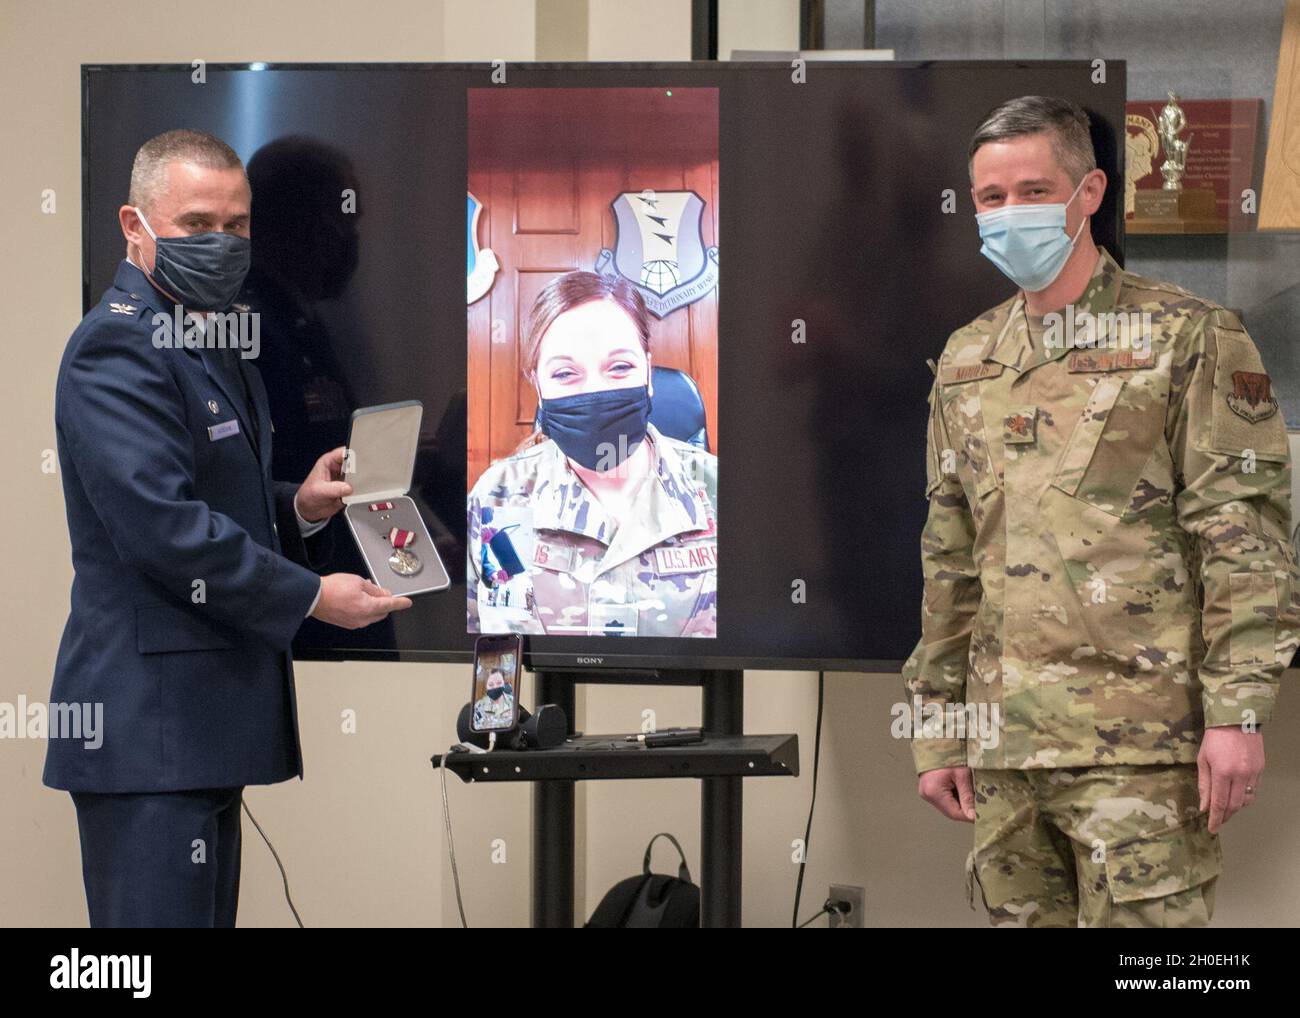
{"points": [[1117, 846]]}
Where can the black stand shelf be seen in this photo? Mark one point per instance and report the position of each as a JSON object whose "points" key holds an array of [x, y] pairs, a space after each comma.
{"points": [[725, 757]]}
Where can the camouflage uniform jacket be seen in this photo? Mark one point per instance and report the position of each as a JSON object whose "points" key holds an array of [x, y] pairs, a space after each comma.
{"points": [[489, 713], [545, 557], [1107, 555]]}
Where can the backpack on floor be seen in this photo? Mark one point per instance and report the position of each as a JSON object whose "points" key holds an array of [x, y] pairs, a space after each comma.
{"points": [[650, 900]]}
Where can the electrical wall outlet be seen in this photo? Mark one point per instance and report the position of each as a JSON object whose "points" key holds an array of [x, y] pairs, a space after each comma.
{"points": [[856, 896], [857, 899]]}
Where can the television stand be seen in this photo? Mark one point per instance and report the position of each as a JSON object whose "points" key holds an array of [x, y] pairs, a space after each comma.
{"points": [[725, 757]]}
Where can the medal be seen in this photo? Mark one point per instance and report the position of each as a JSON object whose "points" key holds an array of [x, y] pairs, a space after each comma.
{"points": [[404, 563], [401, 561]]}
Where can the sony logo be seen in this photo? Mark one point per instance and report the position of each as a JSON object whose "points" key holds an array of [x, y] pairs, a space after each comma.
{"points": [[591, 660]]}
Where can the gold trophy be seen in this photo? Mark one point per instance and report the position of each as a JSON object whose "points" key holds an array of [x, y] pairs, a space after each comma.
{"points": [[1174, 208], [1171, 124]]}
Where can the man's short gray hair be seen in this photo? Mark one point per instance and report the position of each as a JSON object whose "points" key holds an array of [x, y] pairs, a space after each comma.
{"points": [[149, 171], [1065, 122]]}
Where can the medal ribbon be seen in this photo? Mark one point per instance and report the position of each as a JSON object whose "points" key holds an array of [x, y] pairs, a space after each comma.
{"points": [[400, 538]]}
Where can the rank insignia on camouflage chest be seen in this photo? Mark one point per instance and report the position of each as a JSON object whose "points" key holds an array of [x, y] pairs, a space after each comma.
{"points": [[1250, 396], [1018, 426]]}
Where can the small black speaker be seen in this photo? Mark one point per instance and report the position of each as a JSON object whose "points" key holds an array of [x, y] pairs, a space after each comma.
{"points": [[543, 730], [546, 729]]}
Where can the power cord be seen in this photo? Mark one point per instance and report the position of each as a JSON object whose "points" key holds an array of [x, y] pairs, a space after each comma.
{"points": [[829, 908], [283, 876], [807, 837], [451, 846]]}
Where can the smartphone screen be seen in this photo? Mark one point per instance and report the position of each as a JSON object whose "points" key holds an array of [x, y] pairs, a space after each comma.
{"points": [[498, 662]]}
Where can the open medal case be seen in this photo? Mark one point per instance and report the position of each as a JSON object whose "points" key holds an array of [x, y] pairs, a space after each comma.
{"points": [[384, 520]]}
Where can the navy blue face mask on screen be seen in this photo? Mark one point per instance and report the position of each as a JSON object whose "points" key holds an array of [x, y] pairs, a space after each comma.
{"points": [[203, 271], [598, 429]]}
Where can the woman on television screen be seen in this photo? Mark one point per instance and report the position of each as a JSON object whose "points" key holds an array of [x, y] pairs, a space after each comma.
{"points": [[598, 524]]}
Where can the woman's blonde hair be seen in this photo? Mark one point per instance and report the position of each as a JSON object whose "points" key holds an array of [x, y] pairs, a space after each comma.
{"points": [[564, 293]]}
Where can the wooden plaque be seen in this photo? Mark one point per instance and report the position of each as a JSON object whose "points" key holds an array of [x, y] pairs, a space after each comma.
{"points": [[1222, 161]]}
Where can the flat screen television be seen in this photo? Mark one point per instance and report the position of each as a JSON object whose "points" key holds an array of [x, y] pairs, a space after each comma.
{"points": [[775, 253]]}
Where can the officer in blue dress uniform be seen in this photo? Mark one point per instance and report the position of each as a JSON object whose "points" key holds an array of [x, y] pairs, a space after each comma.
{"points": [[191, 562]]}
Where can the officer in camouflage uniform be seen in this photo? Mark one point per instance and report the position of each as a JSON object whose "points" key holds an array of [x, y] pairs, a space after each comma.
{"points": [[1110, 590], [553, 561]]}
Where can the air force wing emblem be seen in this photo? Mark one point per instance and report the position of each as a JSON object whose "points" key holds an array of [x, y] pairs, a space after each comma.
{"points": [[481, 265], [659, 246], [1250, 397], [122, 309]]}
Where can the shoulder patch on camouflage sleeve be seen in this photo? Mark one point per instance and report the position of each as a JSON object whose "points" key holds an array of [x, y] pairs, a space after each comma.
{"points": [[1245, 411], [1250, 396]]}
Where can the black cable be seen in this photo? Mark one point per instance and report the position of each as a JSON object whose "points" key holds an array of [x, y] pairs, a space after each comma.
{"points": [[807, 837], [826, 909], [283, 876]]}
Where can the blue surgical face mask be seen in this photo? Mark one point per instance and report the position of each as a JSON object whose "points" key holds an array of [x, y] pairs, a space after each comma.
{"points": [[598, 429], [1028, 242], [203, 271]]}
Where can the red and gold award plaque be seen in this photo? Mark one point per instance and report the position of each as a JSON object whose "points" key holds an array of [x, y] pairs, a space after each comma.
{"points": [[1187, 163]]}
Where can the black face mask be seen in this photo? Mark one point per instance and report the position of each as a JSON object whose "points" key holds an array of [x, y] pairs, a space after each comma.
{"points": [[498, 692], [204, 271], [598, 429]]}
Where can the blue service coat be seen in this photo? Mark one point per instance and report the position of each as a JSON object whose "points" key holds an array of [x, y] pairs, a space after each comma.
{"points": [[184, 603]]}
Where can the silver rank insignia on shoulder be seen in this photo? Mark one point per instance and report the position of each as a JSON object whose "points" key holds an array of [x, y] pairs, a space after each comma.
{"points": [[212, 405], [122, 309]]}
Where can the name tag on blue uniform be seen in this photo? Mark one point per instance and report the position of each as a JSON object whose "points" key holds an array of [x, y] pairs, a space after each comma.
{"points": [[223, 430]]}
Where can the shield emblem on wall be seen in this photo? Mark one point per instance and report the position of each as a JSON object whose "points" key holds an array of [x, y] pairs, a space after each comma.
{"points": [[481, 265], [659, 246]]}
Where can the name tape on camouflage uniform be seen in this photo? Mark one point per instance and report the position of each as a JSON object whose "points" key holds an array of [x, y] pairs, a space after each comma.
{"points": [[555, 557], [967, 372], [1110, 360], [686, 559]]}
